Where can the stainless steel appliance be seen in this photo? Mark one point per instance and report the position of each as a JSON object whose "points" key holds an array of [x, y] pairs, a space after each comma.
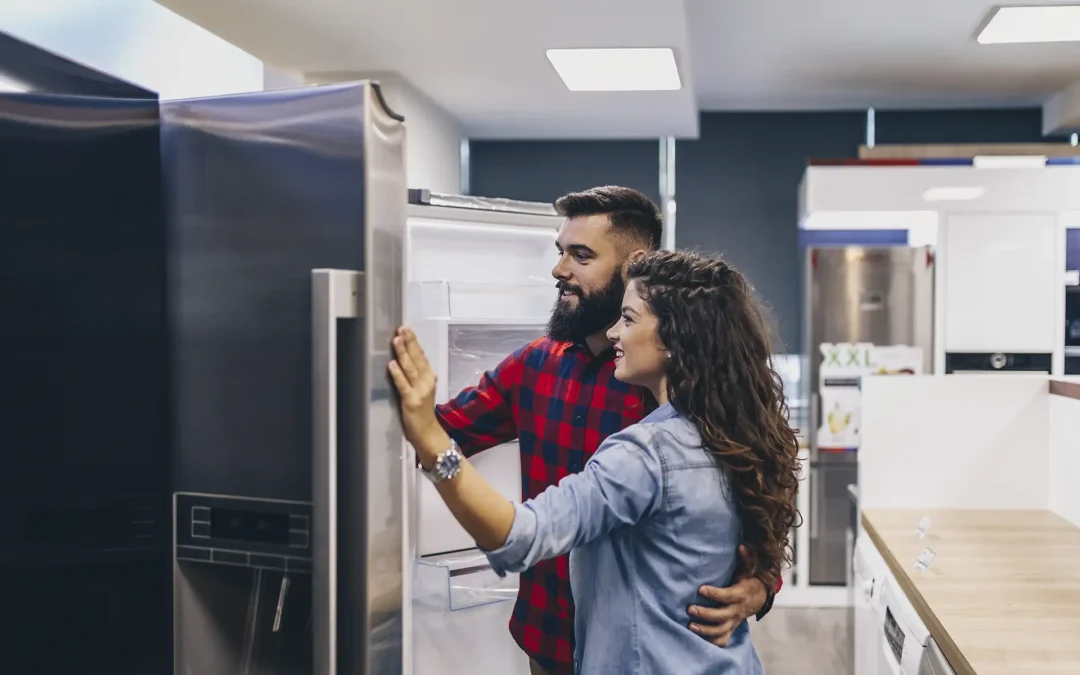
{"points": [[84, 485], [287, 221], [883, 296]]}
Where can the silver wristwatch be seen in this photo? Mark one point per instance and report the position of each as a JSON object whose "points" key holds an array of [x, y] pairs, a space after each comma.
{"points": [[447, 464]]}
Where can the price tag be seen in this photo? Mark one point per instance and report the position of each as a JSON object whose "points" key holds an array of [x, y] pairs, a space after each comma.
{"points": [[923, 526], [922, 563]]}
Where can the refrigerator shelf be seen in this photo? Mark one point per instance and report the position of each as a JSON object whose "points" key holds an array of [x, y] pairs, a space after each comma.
{"points": [[456, 581]]}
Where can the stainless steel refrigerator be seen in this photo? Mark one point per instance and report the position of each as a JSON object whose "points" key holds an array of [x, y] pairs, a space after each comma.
{"points": [[286, 213], [882, 296]]}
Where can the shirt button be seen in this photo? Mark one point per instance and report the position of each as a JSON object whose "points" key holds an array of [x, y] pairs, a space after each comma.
{"points": [[578, 418]]}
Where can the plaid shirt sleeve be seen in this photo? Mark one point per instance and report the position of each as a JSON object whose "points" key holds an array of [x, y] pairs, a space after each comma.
{"points": [[482, 417]]}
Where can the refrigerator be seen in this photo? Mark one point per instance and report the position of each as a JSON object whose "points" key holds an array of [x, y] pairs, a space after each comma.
{"points": [[479, 288], [84, 535], [286, 214], [867, 312]]}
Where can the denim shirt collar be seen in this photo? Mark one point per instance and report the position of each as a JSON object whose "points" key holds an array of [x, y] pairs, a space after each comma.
{"points": [[664, 412]]}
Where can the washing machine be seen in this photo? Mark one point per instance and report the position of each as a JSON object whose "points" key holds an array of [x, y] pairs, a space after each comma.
{"points": [[868, 578], [906, 645]]}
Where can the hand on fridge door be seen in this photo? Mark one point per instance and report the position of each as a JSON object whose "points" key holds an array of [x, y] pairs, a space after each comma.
{"points": [[484, 513], [745, 598], [415, 382]]}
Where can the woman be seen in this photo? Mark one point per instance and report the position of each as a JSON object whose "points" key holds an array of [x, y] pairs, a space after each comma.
{"points": [[661, 507]]}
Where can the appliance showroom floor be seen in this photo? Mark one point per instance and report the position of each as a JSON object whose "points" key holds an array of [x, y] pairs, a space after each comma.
{"points": [[797, 641]]}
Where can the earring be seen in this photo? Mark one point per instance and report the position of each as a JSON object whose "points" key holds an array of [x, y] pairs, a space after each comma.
{"points": [[669, 356]]}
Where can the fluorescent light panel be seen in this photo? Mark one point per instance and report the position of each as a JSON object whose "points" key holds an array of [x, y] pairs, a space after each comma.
{"points": [[1046, 23], [645, 69]]}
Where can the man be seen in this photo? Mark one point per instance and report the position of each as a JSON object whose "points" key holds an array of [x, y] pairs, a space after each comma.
{"points": [[558, 396]]}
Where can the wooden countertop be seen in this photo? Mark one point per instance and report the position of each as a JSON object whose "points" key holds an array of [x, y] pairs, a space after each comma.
{"points": [[1002, 595]]}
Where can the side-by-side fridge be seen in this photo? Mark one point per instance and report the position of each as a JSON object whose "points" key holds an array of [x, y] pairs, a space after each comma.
{"points": [[479, 288]]}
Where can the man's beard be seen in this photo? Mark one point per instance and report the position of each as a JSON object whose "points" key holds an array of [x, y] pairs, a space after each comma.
{"points": [[593, 313]]}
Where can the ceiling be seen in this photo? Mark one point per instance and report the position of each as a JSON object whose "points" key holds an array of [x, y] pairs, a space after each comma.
{"points": [[483, 61]]}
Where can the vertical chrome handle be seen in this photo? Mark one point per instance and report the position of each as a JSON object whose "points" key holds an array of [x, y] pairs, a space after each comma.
{"points": [[815, 421], [335, 295], [815, 508]]}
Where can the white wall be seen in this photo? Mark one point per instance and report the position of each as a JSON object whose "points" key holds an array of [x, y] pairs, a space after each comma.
{"points": [[433, 137], [135, 40]]}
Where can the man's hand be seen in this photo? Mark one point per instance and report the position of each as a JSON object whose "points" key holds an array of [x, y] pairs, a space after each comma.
{"points": [[738, 602]]}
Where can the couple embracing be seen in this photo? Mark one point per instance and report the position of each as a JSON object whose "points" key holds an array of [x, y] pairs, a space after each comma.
{"points": [[659, 470]]}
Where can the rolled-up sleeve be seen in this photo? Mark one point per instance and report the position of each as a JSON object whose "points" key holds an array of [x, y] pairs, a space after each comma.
{"points": [[620, 485]]}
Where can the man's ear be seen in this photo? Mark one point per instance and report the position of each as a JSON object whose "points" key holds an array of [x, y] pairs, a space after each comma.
{"points": [[637, 255]]}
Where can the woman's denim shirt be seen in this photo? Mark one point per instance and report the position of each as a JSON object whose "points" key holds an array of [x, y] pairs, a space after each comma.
{"points": [[647, 522]]}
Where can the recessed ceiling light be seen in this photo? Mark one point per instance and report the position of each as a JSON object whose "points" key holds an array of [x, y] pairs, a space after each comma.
{"points": [[616, 69], [1046, 23]]}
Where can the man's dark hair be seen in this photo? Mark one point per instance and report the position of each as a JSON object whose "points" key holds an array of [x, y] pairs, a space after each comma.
{"points": [[632, 214]]}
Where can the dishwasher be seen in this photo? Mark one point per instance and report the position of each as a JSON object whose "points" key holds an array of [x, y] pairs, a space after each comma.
{"points": [[907, 648]]}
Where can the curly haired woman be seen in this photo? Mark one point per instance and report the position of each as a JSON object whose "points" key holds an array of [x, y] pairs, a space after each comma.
{"points": [[662, 507]]}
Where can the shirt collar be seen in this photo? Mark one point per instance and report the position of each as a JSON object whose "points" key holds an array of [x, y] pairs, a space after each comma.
{"points": [[664, 412]]}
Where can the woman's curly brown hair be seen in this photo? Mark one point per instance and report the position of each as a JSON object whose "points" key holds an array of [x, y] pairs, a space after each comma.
{"points": [[721, 378]]}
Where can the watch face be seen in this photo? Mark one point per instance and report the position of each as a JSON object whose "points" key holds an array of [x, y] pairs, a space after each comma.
{"points": [[448, 464]]}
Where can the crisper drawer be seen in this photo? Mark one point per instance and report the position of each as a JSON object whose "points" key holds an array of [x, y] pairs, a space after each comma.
{"points": [[461, 612]]}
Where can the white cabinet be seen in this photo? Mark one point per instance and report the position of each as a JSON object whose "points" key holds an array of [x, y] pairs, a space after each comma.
{"points": [[1000, 277]]}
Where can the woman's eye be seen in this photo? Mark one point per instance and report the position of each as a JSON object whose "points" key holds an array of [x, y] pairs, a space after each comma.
{"points": [[626, 319]]}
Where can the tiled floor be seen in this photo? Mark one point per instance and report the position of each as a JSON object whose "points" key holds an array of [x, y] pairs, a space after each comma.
{"points": [[795, 641]]}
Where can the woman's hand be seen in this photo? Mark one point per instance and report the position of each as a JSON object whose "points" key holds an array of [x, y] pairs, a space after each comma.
{"points": [[415, 382]]}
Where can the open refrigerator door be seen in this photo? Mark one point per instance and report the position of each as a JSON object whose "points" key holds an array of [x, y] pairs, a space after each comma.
{"points": [[479, 289]]}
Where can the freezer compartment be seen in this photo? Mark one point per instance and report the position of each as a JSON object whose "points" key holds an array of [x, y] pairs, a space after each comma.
{"points": [[460, 611]]}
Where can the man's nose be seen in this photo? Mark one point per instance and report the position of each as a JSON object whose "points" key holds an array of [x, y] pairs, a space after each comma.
{"points": [[560, 272]]}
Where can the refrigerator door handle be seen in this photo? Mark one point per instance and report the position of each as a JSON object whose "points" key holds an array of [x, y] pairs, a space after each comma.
{"points": [[335, 295], [815, 506], [815, 420]]}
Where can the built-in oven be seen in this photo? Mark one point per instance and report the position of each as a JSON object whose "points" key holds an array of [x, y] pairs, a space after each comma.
{"points": [[958, 363], [1072, 330]]}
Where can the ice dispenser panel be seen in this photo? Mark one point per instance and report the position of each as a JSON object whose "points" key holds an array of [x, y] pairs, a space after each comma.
{"points": [[242, 586]]}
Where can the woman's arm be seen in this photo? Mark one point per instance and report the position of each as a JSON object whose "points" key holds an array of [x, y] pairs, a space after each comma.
{"points": [[484, 513], [619, 486]]}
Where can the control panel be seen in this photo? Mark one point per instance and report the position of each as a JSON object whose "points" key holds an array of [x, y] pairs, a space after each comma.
{"points": [[260, 533]]}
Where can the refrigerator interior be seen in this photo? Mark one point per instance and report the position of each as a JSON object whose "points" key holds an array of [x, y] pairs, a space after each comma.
{"points": [[480, 288], [84, 537]]}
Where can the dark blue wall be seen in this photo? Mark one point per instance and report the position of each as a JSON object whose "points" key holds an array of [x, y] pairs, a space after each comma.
{"points": [[737, 184]]}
